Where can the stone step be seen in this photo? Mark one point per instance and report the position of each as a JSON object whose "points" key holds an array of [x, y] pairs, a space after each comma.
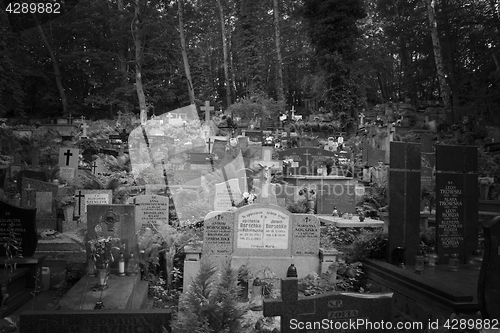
{"points": [[17, 288], [139, 297]]}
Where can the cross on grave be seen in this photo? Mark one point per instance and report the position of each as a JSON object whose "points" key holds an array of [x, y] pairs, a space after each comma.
{"points": [[29, 189], [289, 306], [207, 108], [267, 164], [361, 119], [68, 154], [84, 127], [292, 111], [93, 167], [70, 119], [79, 198]]}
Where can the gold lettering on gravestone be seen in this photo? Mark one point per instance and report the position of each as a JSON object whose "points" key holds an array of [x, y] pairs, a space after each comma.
{"points": [[450, 226]]}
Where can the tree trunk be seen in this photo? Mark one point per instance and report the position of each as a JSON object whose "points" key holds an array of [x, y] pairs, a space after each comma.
{"points": [[277, 31], [55, 66], [122, 64], [445, 90], [184, 52], [224, 50], [138, 64]]}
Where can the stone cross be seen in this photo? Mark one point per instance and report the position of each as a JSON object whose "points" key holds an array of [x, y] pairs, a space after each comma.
{"points": [[70, 119], [84, 127], [289, 306], [207, 108], [267, 164], [293, 112]]}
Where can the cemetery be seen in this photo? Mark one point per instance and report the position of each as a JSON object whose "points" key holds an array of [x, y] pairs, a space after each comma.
{"points": [[281, 167]]}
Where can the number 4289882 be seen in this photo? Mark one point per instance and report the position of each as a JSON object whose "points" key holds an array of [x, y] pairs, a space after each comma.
{"points": [[33, 8]]}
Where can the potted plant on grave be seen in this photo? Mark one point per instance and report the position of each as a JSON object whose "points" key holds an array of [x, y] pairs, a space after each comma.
{"points": [[67, 204]]}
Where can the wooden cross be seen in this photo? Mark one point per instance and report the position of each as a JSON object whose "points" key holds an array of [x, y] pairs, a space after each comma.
{"points": [[29, 189], [79, 198], [289, 306], [68, 154], [207, 108], [267, 164]]}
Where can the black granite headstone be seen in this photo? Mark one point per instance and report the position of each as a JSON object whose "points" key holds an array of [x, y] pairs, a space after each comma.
{"points": [[23, 223], [143, 320], [488, 292], [342, 196], [404, 199], [456, 201]]}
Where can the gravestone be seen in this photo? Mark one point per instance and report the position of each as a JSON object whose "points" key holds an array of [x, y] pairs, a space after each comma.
{"points": [[150, 210], [404, 202], [41, 195], [38, 175], [227, 195], [131, 320], [23, 222], [218, 236], [306, 160], [456, 201], [115, 221], [260, 236], [342, 196], [86, 197], [488, 293], [329, 312], [99, 167], [68, 157], [14, 170]]}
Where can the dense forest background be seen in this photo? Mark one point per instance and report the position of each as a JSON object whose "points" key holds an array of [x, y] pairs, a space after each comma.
{"points": [[99, 57]]}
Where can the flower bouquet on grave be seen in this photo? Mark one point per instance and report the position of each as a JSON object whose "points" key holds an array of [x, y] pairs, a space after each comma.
{"points": [[270, 283], [101, 254]]}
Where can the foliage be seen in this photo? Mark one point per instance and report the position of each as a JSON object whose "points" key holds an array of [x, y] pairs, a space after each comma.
{"points": [[13, 252], [341, 278], [66, 200], [210, 304], [369, 244], [257, 105]]}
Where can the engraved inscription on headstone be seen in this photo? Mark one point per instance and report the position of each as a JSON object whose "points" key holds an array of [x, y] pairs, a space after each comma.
{"points": [[22, 222], [218, 234], [306, 235], [150, 210], [263, 228]]}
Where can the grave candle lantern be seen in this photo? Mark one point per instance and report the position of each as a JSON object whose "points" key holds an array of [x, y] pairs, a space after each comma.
{"points": [[256, 300], [419, 263]]}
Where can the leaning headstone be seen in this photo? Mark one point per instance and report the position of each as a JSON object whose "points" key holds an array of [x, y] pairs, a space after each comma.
{"points": [[227, 195], [456, 201], [115, 221], [488, 292], [41, 195], [332, 311], [150, 210], [132, 320], [23, 223], [404, 199], [91, 197]]}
